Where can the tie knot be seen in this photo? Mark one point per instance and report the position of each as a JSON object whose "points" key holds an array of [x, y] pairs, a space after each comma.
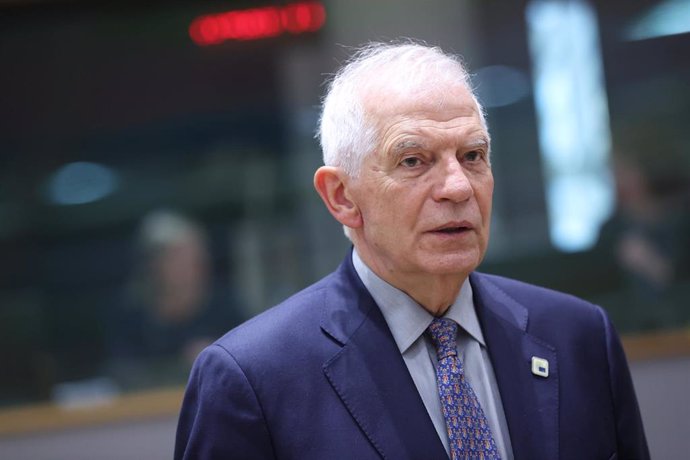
{"points": [[442, 332]]}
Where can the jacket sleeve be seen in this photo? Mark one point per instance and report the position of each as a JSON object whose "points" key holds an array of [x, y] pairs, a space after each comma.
{"points": [[631, 440], [221, 416]]}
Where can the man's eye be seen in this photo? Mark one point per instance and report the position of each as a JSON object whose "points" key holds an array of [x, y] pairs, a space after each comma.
{"points": [[474, 155], [411, 162]]}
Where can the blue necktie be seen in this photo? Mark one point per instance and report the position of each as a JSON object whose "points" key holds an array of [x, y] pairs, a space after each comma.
{"points": [[469, 433]]}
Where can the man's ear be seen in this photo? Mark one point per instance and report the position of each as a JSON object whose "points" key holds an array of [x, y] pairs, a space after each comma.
{"points": [[332, 185]]}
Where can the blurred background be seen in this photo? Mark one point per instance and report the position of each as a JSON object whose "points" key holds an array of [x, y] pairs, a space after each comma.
{"points": [[155, 187]]}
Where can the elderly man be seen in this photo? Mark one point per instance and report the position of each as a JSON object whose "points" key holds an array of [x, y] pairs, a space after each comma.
{"points": [[405, 352]]}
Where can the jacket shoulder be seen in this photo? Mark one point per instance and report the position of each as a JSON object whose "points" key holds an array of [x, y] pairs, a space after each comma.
{"points": [[546, 308], [527, 294], [280, 323]]}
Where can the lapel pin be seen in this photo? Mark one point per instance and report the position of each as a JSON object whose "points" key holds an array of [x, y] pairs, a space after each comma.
{"points": [[540, 366]]}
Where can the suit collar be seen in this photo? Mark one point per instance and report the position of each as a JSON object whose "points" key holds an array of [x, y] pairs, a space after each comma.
{"points": [[406, 318], [497, 301], [370, 376], [347, 304], [530, 402]]}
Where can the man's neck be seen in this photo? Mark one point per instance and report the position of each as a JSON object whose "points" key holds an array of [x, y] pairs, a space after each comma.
{"points": [[435, 293]]}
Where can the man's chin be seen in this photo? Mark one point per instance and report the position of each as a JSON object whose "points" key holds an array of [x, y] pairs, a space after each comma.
{"points": [[452, 264]]}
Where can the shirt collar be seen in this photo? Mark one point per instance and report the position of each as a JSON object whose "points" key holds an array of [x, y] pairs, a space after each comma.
{"points": [[408, 320]]}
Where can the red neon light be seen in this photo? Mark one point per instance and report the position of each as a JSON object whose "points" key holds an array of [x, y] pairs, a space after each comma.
{"points": [[257, 23]]}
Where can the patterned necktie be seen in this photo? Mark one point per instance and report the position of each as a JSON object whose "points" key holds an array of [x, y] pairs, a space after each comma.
{"points": [[469, 433]]}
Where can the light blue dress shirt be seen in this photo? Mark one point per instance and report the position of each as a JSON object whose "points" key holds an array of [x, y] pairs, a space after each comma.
{"points": [[408, 321]]}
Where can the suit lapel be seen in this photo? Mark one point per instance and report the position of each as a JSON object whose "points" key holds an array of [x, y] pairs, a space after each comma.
{"points": [[370, 376], [530, 402]]}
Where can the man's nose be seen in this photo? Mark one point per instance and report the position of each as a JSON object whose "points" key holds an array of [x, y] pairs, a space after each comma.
{"points": [[453, 183]]}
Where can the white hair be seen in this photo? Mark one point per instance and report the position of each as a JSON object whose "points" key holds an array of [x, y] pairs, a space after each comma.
{"points": [[346, 131]]}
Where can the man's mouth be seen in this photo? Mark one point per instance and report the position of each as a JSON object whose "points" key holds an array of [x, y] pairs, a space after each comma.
{"points": [[453, 228]]}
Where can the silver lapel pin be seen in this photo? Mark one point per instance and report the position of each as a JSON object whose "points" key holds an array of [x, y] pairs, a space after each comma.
{"points": [[540, 366]]}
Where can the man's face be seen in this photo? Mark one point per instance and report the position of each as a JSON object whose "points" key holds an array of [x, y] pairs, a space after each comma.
{"points": [[425, 194]]}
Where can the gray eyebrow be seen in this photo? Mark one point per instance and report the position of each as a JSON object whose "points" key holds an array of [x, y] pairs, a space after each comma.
{"points": [[400, 147], [480, 142], [404, 145]]}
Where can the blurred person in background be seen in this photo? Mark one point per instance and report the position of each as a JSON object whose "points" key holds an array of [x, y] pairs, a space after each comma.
{"points": [[648, 237], [405, 351], [171, 310]]}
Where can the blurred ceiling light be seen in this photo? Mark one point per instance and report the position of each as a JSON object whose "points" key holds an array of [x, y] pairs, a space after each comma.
{"points": [[81, 182], [671, 17], [499, 85]]}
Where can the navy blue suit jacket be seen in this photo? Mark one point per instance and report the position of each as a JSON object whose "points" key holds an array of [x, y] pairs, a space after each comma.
{"points": [[320, 377]]}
